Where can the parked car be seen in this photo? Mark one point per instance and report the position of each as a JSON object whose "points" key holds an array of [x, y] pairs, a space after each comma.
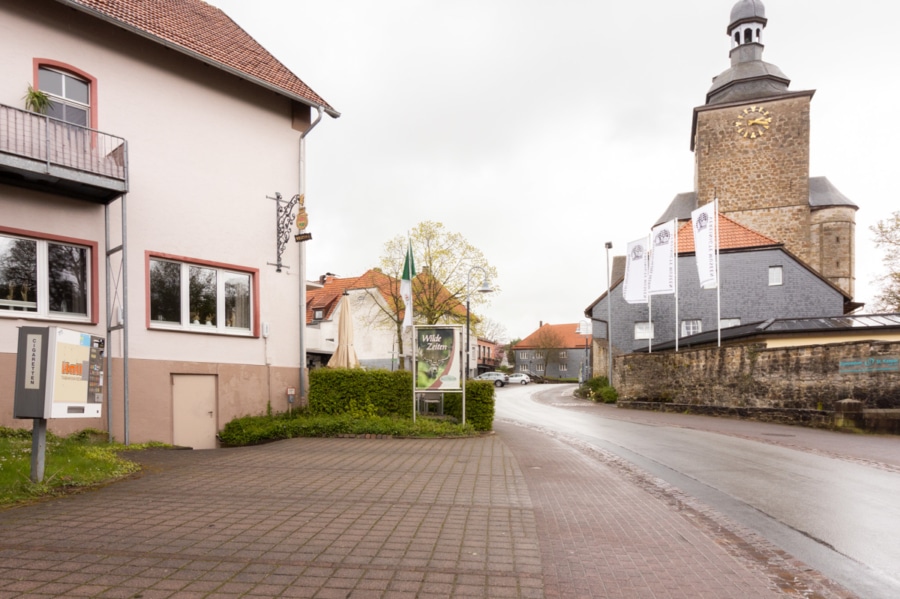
{"points": [[499, 378], [519, 377]]}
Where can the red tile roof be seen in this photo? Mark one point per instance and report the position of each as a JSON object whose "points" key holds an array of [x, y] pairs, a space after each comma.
{"points": [[205, 32], [732, 236], [565, 334], [326, 298]]}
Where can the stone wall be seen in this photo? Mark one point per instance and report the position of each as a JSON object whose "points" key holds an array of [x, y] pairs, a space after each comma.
{"points": [[810, 377]]}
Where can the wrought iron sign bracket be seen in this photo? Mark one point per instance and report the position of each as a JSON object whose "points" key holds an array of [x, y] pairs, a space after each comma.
{"points": [[283, 216]]}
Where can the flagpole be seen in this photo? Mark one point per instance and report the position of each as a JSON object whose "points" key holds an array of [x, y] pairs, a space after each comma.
{"points": [[649, 297], [677, 328], [719, 280]]}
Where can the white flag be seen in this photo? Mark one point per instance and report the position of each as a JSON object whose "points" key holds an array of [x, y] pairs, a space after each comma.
{"points": [[409, 273], [635, 288], [662, 258], [705, 221]]}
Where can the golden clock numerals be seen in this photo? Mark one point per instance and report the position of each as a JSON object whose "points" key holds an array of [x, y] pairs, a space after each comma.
{"points": [[753, 122]]}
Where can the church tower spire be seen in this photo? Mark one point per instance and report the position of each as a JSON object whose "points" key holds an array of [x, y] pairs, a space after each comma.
{"points": [[749, 77]]}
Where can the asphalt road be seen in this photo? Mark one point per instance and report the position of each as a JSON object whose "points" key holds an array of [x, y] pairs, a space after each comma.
{"points": [[829, 499]]}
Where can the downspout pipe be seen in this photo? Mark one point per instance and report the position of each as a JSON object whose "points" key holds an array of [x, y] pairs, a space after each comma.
{"points": [[303, 386]]}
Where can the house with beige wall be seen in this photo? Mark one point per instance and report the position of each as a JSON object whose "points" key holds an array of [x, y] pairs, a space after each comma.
{"points": [[141, 208], [374, 309]]}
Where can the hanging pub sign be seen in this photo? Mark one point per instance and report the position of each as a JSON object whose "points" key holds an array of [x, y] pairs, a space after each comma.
{"points": [[302, 222], [438, 358]]}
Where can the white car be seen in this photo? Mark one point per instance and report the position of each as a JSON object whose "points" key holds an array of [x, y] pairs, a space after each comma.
{"points": [[499, 378], [519, 377]]}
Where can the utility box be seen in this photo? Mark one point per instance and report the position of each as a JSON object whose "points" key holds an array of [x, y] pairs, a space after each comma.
{"points": [[59, 374]]}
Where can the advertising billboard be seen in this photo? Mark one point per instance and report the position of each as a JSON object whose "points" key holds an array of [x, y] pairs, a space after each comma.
{"points": [[438, 358]]}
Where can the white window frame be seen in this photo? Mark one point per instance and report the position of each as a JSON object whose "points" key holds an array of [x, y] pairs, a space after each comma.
{"points": [[776, 276], [689, 323], [563, 355], [523, 355], [563, 367], [539, 367], [318, 314], [18, 308], [67, 100], [644, 330], [220, 326]]}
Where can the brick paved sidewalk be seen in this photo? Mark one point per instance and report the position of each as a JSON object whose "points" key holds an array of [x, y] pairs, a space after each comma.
{"points": [[515, 514], [299, 518], [609, 530]]}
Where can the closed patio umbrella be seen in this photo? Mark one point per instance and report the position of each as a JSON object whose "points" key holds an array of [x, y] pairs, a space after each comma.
{"points": [[344, 356]]}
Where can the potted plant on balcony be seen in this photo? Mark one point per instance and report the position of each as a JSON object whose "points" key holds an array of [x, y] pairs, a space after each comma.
{"points": [[37, 101]]}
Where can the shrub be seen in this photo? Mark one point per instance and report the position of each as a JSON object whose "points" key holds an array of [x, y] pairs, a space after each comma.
{"points": [[597, 389], [250, 430], [479, 405], [361, 392]]}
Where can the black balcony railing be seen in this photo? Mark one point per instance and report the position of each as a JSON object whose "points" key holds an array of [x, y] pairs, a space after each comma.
{"points": [[40, 141]]}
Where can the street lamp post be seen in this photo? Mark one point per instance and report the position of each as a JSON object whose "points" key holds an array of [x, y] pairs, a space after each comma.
{"points": [[584, 328], [485, 288], [609, 372]]}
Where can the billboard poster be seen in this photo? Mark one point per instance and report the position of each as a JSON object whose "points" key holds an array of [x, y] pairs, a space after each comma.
{"points": [[438, 363]]}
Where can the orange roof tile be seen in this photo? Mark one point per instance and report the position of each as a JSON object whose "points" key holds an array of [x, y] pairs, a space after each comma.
{"points": [[205, 32], [732, 236], [566, 333]]}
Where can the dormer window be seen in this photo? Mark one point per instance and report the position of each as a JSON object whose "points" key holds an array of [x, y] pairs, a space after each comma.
{"points": [[318, 314]]}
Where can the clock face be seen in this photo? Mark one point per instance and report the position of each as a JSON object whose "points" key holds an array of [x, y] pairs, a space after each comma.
{"points": [[753, 122]]}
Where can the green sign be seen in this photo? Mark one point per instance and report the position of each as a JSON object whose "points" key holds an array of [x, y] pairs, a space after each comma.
{"points": [[870, 365]]}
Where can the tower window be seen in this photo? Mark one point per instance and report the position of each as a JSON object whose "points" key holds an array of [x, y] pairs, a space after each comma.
{"points": [[837, 239], [748, 36]]}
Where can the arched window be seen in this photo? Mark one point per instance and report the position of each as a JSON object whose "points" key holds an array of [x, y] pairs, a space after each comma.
{"points": [[748, 36], [70, 96]]}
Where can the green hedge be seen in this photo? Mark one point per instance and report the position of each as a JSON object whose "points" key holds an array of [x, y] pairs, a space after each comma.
{"points": [[366, 393], [250, 430], [361, 392], [479, 404]]}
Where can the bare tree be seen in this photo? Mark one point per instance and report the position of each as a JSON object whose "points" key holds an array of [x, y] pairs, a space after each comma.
{"points": [[887, 238], [548, 343]]}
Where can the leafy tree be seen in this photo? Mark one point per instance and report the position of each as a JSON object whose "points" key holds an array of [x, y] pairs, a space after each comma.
{"points": [[887, 238], [443, 262]]}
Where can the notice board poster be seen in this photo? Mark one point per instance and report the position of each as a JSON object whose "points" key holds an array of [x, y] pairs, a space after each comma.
{"points": [[76, 382], [438, 364]]}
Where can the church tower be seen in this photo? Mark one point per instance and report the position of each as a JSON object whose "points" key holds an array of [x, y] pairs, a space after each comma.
{"points": [[751, 151]]}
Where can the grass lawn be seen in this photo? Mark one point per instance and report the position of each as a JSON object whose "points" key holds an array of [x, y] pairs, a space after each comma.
{"points": [[79, 461]]}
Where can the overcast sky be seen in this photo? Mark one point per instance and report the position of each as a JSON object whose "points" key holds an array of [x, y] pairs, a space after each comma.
{"points": [[539, 130]]}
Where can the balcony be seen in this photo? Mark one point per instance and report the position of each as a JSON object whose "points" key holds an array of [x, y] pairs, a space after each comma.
{"points": [[56, 157]]}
